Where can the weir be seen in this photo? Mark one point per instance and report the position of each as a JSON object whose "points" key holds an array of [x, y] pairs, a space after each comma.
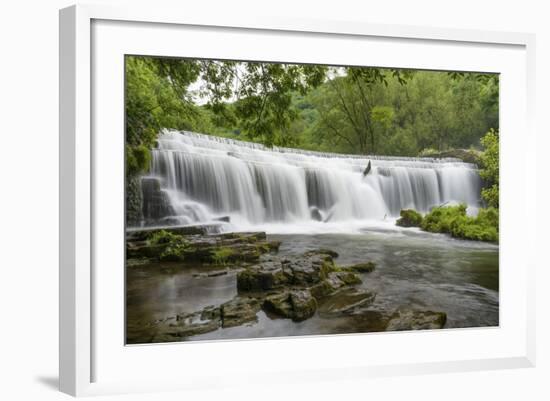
{"points": [[196, 178]]}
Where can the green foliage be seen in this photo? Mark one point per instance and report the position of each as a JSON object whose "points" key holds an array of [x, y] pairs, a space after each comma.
{"points": [[402, 117], [221, 255], [490, 168], [175, 245], [409, 218], [363, 110], [156, 98], [453, 220]]}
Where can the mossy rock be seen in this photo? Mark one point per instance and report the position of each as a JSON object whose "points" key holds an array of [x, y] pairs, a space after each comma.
{"points": [[263, 277], [349, 278], [365, 267], [416, 320], [239, 311], [297, 305], [409, 218]]}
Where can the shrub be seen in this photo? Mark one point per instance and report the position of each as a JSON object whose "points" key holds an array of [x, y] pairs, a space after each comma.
{"points": [[440, 218], [175, 245], [409, 218], [453, 220]]}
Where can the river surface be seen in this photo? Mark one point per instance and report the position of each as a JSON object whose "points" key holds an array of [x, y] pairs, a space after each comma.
{"points": [[414, 270]]}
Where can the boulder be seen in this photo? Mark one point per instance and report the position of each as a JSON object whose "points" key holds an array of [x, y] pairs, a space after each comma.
{"points": [[310, 268], [322, 251], [365, 267], [416, 320], [263, 277], [303, 305], [155, 202], [315, 214], [239, 311], [297, 305], [409, 218]]}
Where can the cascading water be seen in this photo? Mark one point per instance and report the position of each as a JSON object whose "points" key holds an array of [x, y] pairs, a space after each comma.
{"points": [[201, 178]]}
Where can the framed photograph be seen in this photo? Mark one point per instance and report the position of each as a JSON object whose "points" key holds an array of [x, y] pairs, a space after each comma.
{"points": [[288, 198]]}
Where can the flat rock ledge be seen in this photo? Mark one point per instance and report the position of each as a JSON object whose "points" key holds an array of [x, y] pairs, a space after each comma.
{"points": [[183, 244]]}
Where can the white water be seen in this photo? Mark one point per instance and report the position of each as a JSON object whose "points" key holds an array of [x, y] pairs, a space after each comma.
{"points": [[277, 189]]}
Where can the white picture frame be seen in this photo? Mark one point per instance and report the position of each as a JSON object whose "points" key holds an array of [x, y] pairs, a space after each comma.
{"points": [[93, 358]]}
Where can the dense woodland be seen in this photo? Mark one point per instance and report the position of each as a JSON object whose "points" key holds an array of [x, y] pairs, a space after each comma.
{"points": [[355, 110]]}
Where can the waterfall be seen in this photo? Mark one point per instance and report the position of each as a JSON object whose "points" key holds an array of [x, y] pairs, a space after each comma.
{"points": [[201, 178]]}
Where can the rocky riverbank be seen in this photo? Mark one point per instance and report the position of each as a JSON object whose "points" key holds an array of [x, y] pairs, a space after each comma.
{"points": [[295, 288]]}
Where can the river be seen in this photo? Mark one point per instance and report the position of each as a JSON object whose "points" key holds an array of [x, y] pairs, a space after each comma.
{"points": [[414, 270]]}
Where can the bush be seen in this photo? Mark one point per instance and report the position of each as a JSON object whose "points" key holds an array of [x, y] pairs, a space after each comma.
{"points": [[175, 245], [409, 218], [453, 220]]}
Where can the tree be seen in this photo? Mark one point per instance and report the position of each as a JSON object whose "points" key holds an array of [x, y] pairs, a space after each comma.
{"points": [[262, 96], [156, 98], [490, 168]]}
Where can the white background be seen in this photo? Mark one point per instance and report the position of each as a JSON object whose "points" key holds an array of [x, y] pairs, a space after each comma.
{"points": [[28, 199]]}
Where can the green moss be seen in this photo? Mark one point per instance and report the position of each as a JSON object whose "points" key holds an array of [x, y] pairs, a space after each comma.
{"points": [[366, 267], [409, 218], [453, 220], [221, 255], [175, 245]]}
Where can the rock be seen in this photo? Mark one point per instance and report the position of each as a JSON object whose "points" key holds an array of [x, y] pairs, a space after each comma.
{"points": [[239, 311], [322, 251], [134, 201], [345, 300], [310, 268], [416, 320], [133, 234], [279, 304], [155, 202], [409, 218], [315, 214], [249, 237], [211, 313], [263, 277], [327, 286], [225, 219], [215, 273], [143, 250], [213, 248], [272, 246], [297, 305], [366, 267], [303, 305], [177, 328], [348, 278]]}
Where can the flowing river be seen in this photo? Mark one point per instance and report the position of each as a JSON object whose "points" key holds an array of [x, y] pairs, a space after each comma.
{"points": [[414, 270]]}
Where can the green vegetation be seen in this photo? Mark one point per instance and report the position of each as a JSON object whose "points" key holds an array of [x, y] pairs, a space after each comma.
{"points": [[221, 255], [489, 168], [409, 218], [175, 246], [454, 221], [357, 110]]}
